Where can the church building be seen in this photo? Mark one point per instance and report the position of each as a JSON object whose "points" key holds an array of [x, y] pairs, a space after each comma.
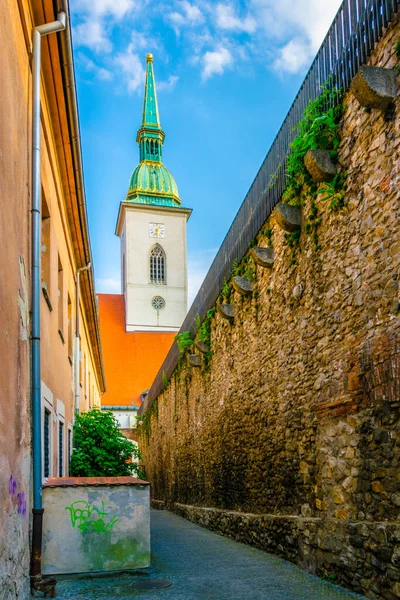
{"points": [[138, 326]]}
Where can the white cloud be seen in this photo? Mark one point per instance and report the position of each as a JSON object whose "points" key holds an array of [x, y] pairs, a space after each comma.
{"points": [[214, 63], [108, 285], [90, 66], [189, 16], [169, 84], [96, 19], [114, 8], [226, 19], [293, 57], [91, 34], [300, 26], [132, 68]]}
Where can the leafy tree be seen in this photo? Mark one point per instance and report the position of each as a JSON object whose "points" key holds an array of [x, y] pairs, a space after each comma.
{"points": [[100, 448]]}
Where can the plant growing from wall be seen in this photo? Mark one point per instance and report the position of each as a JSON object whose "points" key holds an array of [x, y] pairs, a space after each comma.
{"points": [[318, 129], [184, 341], [100, 448], [267, 233], [204, 335], [164, 379]]}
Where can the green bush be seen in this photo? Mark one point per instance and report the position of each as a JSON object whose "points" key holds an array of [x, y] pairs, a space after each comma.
{"points": [[100, 448]]}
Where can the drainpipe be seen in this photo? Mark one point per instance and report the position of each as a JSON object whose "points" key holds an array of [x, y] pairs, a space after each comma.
{"points": [[77, 336], [37, 582]]}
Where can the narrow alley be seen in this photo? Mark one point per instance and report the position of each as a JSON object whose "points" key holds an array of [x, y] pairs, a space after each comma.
{"points": [[202, 565]]}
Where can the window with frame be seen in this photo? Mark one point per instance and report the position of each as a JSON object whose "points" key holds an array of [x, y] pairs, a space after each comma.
{"points": [[157, 265]]}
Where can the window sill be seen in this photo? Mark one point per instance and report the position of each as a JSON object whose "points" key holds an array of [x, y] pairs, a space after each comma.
{"points": [[60, 333], [46, 296]]}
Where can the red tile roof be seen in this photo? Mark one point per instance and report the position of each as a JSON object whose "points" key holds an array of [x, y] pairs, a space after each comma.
{"points": [[131, 360]]}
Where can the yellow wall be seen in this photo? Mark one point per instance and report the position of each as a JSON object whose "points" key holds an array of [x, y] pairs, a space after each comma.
{"points": [[67, 241]]}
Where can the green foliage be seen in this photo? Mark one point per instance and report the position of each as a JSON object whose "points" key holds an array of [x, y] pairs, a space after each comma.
{"points": [[317, 129], [235, 266], [267, 233], [184, 341], [100, 448], [198, 323], [247, 268], [164, 379], [293, 241], [204, 335], [145, 423], [226, 292], [334, 192]]}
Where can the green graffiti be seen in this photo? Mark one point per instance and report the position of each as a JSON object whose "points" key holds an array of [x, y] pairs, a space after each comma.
{"points": [[88, 518]]}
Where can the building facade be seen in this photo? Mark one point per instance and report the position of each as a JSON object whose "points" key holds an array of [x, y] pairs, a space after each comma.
{"points": [[138, 326], [65, 248]]}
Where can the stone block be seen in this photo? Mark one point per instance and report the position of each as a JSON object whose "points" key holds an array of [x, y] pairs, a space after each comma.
{"points": [[318, 163], [374, 87], [194, 360], [242, 285], [263, 256], [288, 217], [226, 311], [298, 291], [202, 346]]}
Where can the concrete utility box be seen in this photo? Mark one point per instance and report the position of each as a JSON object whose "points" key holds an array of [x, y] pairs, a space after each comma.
{"points": [[95, 524]]}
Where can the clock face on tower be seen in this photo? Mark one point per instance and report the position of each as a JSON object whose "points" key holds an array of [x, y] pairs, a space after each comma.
{"points": [[156, 230]]}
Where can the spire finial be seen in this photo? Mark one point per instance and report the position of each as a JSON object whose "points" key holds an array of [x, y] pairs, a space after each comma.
{"points": [[149, 57]]}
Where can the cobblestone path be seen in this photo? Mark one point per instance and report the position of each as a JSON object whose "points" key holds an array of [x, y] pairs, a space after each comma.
{"points": [[204, 566]]}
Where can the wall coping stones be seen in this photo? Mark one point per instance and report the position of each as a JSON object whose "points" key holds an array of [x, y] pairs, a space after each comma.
{"points": [[318, 163], [288, 217], [242, 285], [202, 346], [194, 360], [226, 311], [90, 481], [263, 256], [374, 86]]}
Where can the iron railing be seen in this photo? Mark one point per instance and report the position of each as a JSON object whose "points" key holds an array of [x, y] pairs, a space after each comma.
{"points": [[350, 40]]}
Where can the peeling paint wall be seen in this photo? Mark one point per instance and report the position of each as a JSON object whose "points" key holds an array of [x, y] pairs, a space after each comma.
{"points": [[96, 528]]}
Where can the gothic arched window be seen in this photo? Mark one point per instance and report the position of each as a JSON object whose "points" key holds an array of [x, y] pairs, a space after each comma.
{"points": [[157, 265]]}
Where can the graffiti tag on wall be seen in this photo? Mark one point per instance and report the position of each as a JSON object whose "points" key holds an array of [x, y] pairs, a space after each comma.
{"points": [[88, 518], [16, 496]]}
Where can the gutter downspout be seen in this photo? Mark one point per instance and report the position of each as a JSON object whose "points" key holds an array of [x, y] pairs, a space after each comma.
{"points": [[77, 337], [37, 582]]}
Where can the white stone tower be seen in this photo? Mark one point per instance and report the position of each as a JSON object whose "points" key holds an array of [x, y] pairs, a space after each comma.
{"points": [[152, 228]]}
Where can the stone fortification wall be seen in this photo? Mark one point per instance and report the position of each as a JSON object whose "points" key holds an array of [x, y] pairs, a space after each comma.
{"points": [[289, 438]]}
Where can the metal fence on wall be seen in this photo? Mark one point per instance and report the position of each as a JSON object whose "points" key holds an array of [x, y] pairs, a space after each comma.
{"points": [[350, 40]]}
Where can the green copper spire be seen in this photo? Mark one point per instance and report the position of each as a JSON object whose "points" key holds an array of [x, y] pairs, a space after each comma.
{"points": [[151, 118], [151, 182]]}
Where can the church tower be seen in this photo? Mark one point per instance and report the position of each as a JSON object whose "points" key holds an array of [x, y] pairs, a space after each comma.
{"points": [[152, 229]]}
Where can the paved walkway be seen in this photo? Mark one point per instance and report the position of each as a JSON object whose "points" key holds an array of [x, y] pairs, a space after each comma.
{"points": [[204, 566]]}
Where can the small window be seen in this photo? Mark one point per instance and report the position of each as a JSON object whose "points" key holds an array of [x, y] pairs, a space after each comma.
{"points": [[60, 449], [46, 436], [157, 265]]}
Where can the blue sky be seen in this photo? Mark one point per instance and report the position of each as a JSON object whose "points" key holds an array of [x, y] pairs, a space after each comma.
{"points": [[226, 73]]}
